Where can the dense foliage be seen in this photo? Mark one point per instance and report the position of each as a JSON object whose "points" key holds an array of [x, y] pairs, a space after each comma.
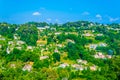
{"points": [[29, 34], [79, 50], [7, 30]]}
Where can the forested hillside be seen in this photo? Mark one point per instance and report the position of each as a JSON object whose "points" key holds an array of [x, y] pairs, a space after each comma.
{"points": [[79, 50]]}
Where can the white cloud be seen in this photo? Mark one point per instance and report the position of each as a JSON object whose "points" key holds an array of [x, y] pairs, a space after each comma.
{"points": [[113, 19], [85, 13], [36, 14], [99, 16], [49, 19], [56, 20]]}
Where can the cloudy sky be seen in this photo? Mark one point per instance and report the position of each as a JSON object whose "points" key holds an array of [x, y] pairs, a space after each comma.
{"points": [[60, 11]]}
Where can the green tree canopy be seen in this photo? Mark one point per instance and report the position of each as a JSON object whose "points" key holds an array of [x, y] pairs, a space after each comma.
{"points": [[29, 34]]}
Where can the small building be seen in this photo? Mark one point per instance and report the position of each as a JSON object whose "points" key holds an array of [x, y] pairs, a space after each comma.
{"points": [[59, 45], [20, 42], [0, 46], [109, 56], [81, 61], [8, 50], [100, 55], [84, 62], [99, 35], [96, 56], [30, 48], [44, 57], [93, 46], [2, 39], [16, 36], [102, 44], [41, 28], [56, 51], [69, 40], [93, 68], [57, 33], [19, 47], [64, 65], [12, 65], [65, 78], [28, 66], [88, 35], [42, 50], [10, 42], [53, 29], [41, 42], [93, 31], [16, 29], [78, 67]]}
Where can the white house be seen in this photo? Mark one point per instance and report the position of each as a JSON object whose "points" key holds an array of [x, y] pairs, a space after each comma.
{"points": [[99, 34], [3, 39], [57, 33], [20, 42], [12, 65], [102, 44], [59, 45], [53, 29], [99, 55], [19, 47], [10, 42], [0, 46], [56, 51], [47, 27], [109, 56], [88, 35], [8, 50], [27, 67], [78, 67], [44, 57], [81, 61], [42, 28], [93, 68], [16, 36], [69, 40], [64, 65], [30, 48], [93, 46]]}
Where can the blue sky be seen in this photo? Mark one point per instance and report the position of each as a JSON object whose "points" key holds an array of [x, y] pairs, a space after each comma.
{"points": [[60, 11]]}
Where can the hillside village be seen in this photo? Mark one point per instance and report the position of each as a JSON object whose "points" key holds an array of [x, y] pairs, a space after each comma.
{"points": [[74, 49]]}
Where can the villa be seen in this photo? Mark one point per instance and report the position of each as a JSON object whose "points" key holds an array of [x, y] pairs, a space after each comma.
{"points": [[93, 68], [44, 57], [28, 66], [78, 67], [63, 65]]}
